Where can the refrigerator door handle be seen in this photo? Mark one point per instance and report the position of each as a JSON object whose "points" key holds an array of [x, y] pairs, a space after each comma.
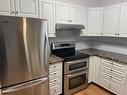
{"points": [[47, 47], [24, 85]]}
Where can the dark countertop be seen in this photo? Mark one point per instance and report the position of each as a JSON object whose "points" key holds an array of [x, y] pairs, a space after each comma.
{"points": [[54, 59], [105, 54]]}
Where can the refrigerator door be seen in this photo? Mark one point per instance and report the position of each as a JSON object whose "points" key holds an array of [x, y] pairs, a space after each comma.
{"points": [[36, 87], [22, 50]]}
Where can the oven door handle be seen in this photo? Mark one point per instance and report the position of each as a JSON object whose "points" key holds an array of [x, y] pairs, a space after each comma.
{"points": [[78, 61], [80, 73]]}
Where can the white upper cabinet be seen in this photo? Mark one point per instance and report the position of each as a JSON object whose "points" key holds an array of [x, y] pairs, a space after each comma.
{"points": [[68, 14], [123, 21], [62, 13], [47, 11], [84, 20], [111, 20], [27, 8], [95, 19], [7, 7], [75, 14]]}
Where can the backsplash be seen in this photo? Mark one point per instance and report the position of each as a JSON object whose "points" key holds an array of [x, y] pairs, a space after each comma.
{"points": [[113, 44], [72, 35]]}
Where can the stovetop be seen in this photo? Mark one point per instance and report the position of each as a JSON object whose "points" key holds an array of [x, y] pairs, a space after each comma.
{"points": [[73, 56]]}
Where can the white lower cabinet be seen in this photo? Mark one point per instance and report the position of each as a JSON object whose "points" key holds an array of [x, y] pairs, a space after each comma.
{"points": [[113, 76], [109, 74], [94, 69], [55, 78]]}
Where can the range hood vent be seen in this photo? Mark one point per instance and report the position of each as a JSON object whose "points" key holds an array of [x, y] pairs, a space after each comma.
{"points": [[69, 26]]}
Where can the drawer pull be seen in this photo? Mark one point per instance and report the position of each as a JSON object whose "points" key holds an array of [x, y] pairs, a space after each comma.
{"points": [[54, 66], [110, 76]]}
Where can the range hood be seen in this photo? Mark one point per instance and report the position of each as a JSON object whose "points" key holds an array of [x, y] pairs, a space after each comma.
{"points": [[69, 26]]}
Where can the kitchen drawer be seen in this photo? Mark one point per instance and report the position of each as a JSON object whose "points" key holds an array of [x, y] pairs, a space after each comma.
{"points": [[54, 68], [113, 72], [54, 79], [54, 75], [55, 71], [56, 90], [113, 87], [106, 62], [117, 89], [55, 65], [118, 67], [117, 80], [54, 83], [106, 83], [106, 70], [118, 73]]}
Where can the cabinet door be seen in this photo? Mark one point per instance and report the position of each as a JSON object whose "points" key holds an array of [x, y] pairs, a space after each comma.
{"points": [[7, 7], [123, 21], [111, 20], [47, 11], [84, 20], [62, 11], [91, 62], [95, 19], [27, 8], [75, 15], [94, 70]]}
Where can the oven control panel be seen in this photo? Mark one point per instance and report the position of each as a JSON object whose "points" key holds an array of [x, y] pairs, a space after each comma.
{"points": [[62, 45]]}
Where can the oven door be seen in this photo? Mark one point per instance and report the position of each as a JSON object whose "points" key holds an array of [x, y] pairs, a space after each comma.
{"points": [[73, 66], [75, 82]]}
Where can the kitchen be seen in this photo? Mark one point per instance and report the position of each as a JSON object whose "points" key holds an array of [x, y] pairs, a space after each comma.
{"points": [[91, 33]]}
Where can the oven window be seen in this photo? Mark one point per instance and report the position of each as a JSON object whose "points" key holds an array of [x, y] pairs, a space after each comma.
{"points": [[77, 81], [77, 66]]}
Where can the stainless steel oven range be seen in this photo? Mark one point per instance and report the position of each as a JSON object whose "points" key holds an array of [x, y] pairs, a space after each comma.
{"points": [[75, 67]]}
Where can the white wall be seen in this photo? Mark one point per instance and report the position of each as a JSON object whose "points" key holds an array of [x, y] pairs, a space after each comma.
{"points": [[118, 45]]}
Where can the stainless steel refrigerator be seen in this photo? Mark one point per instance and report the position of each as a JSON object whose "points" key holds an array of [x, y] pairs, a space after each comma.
{"points": [[24, 52]]}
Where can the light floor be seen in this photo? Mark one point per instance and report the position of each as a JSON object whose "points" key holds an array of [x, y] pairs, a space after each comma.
{"points": [[92, 90]]}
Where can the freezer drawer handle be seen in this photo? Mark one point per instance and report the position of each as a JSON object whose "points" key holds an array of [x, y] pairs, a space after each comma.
{"points": [[24, 85]]}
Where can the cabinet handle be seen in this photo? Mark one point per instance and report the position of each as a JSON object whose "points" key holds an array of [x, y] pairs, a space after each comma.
{"points": [[54, 66], [115, 33], [16, 12], [12, 12], [101, 33], [110, 76], [118, 34], [69, 20]]}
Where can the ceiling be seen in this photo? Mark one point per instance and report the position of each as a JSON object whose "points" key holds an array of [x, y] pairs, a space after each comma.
{"points": [[94, 3]]}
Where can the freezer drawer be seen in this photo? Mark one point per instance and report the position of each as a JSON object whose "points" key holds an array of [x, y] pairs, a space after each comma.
{"points": [[36, 87]]}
